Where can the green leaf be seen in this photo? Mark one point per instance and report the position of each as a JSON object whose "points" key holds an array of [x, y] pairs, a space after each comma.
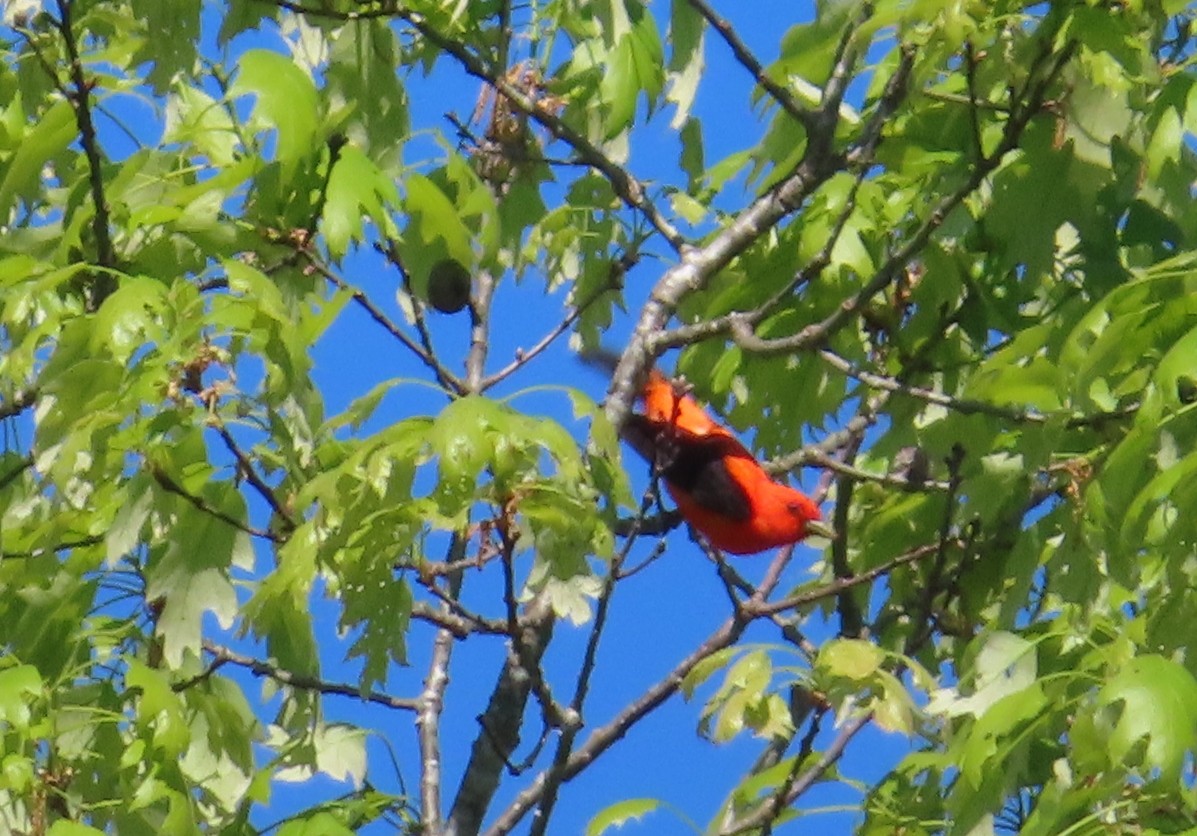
{"points": [[160, 710], [701, 672], [318, 824], [356, 187], [692, 161], [17, 686], [286, 100], [854, 659], [125, 532], [1152, 700], [340, 753], [1006, 664], [195, 118], [49, 137], [620, 813], [686, 60], [619, 88]]}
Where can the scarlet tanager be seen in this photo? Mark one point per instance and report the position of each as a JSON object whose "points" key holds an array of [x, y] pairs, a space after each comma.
{"points": [[719, 486]]}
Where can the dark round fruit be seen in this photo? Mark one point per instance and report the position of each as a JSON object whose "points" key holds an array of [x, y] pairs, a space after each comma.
{"points": [[448, 286], [1186, 389]]}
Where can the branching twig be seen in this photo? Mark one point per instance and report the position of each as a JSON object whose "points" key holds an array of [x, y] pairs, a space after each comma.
{"points": [[839, 585], [629, 190], [605, 736], [454, 617], [570, 730], [691, 333], [560, 328], [222, 655], [446, 378], [818, 333], [803, 782]]}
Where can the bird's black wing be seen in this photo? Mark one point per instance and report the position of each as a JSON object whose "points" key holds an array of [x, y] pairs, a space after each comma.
{"points": [[693, 464]]}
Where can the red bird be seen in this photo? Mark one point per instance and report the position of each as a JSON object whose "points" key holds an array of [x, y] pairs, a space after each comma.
{"points": [[718, 485]]}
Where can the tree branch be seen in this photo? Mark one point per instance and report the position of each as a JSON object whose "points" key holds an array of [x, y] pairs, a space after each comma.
{"points": [[104, 282], [500, 724], [816, 334], [626, 187], [605, 736]]}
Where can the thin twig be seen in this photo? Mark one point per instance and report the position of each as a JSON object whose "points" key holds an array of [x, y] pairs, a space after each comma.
{"points": [[222, 655], [689, 334], [454, 617], [830, 756], [603, 737], [246, 469], [818, 333], [839, 585], [525, 356], [748, 61], [82, 542], [419, 315], [167, 483], [446, 377]]}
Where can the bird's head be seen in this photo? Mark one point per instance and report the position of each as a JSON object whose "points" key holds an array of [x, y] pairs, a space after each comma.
{"points": [[806, 512]]}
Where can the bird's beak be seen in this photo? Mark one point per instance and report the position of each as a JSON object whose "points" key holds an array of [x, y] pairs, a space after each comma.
{"points": [[814, 528]]}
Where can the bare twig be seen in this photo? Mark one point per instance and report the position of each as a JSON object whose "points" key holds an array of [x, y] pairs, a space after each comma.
{"points": [[837, 586], [446, 378], [247, 471], [749, 62], [222, 655], [799, 785], [454, 617], [525, 356], [605, 736]]}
